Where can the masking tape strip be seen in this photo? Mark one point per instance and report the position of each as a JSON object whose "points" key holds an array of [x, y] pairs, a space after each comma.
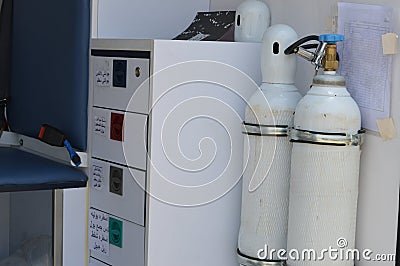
{"points": [[390, 43], [387, 129]]}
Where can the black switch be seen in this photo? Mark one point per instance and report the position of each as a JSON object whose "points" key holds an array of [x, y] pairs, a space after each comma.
{"points": [[116, 180], [119, 73]]}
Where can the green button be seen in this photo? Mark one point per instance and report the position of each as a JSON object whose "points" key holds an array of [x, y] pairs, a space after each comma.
{"points": [[115, 232]]}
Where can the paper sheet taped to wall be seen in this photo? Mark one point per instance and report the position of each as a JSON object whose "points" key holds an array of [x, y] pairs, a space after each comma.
{"points": [[366, 69]]}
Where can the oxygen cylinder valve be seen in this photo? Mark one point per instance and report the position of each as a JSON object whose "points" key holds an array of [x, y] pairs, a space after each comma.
{"points": [[330, 61], [324, 55]]}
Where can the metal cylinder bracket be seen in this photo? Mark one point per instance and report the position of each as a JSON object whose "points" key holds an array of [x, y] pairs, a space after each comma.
{"points": [[246, 261], [265, 130], [323, 138]]}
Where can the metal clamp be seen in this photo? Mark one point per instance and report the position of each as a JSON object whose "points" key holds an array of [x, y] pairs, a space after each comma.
{"points": [[9, 139], [3, 101], [246, 261], [322, 138], [314, 57], [265, 130]]}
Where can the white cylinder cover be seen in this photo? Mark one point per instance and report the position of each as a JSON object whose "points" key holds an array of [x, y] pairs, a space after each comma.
{"points": [[267, 169], [324, 178], [277, 67], [251, 20]]}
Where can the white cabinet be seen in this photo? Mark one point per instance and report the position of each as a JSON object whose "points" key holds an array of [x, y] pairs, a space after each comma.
{"points": [[171, 174]]}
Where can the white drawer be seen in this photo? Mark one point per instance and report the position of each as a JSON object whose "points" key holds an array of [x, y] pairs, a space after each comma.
{"points": [[120, 137], [121, 83], [95, 262], [118, 190], [130, 250]]}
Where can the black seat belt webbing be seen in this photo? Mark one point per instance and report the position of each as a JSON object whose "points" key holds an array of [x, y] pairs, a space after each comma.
{"points": [[5, 55]]}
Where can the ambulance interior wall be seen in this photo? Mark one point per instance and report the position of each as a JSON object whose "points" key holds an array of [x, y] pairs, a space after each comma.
{"points": [[380, 169]]}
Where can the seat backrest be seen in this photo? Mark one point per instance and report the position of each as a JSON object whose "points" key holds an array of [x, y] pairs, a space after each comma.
{"points": [[50, 67]]}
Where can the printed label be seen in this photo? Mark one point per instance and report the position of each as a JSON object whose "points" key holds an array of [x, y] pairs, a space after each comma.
{"points": [[97, 177], [99, 232], [100, 124]]}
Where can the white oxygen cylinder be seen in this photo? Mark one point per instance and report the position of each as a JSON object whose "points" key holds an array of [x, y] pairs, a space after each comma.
{"points": [[268, 117], [251, 20], [324, 174]]}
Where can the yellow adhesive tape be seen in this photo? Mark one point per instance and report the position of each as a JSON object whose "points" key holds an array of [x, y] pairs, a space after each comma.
{"points": [[387, 129], [390, 43]]}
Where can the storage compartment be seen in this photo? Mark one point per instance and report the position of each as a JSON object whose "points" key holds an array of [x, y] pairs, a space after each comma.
{"points": [[95, 262], [118, 190], [121, 84], [120, 137], [126, 243], [26, 233]]}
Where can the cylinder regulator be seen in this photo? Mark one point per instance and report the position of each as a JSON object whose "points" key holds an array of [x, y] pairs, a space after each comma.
{"points": [[269, 115], [251, 20], [325, 160]]}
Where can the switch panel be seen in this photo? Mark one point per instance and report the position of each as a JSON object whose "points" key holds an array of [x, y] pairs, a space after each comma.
{"points": [[117, 127], [116, 232], [116, 180], [119, 73]]}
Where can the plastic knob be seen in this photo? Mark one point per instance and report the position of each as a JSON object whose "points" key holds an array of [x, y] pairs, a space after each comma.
{"points": [[331, 38]]}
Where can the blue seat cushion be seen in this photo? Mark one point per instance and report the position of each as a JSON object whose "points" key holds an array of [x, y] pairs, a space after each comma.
{"points": [[23, 171]]}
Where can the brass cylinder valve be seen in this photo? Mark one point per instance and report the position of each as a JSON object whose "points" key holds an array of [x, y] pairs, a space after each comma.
{"points": [[330, 62], [325, 54]]}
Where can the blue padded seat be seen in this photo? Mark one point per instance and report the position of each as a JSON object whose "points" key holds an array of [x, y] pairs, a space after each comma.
{"points": [[50, 67], [49, 85], [23, 171]]}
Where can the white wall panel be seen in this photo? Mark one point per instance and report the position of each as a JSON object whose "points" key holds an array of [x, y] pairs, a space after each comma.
{"points": [[146, 19], [75, 227]]}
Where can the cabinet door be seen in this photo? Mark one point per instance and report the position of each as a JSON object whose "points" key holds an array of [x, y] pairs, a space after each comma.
{"points": [[126, 244], [120, 137], [117, 189], [121, 83]]}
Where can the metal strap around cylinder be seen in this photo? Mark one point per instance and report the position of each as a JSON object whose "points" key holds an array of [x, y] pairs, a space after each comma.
{"points": [[245, 261], [322, 138], [265, 130]]}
